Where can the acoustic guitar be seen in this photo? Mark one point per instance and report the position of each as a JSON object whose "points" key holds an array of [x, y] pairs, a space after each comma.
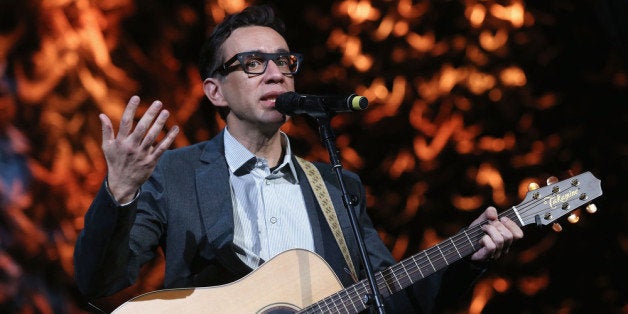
{"points": [[299, 281]]}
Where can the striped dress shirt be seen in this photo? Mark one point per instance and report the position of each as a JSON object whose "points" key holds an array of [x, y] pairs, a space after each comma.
{"points": [[269, 211]]}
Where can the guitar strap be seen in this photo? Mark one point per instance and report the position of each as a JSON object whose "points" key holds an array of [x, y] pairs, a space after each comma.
{"points": [[322, 196]]}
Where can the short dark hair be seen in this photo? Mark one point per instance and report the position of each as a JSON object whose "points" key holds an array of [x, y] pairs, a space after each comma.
{"points": [[211, 53]]}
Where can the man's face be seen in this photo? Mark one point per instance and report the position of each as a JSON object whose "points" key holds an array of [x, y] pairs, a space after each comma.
{"points": [[251, 98]]}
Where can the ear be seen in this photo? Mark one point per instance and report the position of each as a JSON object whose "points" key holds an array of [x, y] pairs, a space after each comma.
{"points": [[213, 90]]}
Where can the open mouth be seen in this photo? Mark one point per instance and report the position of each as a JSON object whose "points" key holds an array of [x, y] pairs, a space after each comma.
{"points": [[270, 98]]}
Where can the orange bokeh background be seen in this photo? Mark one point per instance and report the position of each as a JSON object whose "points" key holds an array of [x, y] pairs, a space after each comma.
{"points": [[470, 101]]}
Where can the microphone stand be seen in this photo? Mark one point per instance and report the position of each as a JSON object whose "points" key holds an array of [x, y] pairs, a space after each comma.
{"points": [[327, 137]]}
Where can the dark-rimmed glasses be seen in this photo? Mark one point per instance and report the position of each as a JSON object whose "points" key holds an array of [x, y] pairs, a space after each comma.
{"points": [[255, 62]]}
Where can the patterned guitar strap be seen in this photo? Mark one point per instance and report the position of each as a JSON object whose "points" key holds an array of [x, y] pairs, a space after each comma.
{"points": [[322, 196]]}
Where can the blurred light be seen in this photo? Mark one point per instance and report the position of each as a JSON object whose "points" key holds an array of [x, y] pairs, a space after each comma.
{"points": [[532, 285], [401, 28], [492, 42], [513, 76], [501, 285], [467, 203], [513, 13], [489, 175], [232, 6], [591, 208], [359, 11], [476, 55], [415, 199], [482, 292], [384, 29], [409, 11], [547, 101], [479, 82], [400, 246], [495, 94], [403, 163], [363, 62], [421, 43], [428, 152], [476, 14]]}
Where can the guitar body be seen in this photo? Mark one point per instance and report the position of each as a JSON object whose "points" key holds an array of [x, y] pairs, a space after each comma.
{"points": [[290, 281]]}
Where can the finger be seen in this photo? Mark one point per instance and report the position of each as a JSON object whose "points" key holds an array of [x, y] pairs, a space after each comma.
{"points": [[496, 237], [489, 246], [506, 236], [126, 123], [155, 129], [166, 142], [516, 231], [107, 128], [145, 122], [488, 215]]}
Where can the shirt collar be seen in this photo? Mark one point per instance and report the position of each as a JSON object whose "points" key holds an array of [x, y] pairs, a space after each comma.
{"points": [[239, 158]]}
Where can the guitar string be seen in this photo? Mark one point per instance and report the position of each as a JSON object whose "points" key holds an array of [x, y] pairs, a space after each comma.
{"points": [[475, 232], [434, 255], [463, 236]]}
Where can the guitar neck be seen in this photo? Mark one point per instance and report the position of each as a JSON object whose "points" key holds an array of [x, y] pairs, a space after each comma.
{"points": [[408, 271]]}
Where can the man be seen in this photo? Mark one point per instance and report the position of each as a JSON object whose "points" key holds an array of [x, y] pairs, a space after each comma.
{"points": [[224, 207]]}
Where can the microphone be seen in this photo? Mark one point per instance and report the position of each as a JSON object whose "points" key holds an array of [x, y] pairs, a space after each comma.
{"points": [[291, 103]]}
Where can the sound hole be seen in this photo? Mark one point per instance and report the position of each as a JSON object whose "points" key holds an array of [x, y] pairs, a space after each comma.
{"points": [[279, 309]]}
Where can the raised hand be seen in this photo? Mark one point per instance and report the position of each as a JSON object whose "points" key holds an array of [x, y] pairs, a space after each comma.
{"points": [[499, 235], [132, 155]]}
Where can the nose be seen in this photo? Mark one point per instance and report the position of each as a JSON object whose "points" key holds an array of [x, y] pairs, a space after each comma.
{"points": [[273, 73]]}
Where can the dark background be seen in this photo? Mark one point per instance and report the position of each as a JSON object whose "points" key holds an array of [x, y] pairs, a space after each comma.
{"points": [[65, 62]]}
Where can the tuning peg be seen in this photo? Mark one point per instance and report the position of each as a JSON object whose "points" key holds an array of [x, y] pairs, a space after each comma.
{"points": [[591, 208], [573, 217], [557, 227], [551, 180], [533, 186]]}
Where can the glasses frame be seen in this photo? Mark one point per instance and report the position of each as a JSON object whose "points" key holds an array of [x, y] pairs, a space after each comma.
{"points": [[229, 67]]}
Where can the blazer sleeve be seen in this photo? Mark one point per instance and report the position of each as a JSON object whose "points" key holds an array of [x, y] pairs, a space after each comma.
{"points": [[117, 240]]}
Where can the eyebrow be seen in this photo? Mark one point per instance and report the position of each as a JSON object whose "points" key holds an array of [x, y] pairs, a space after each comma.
{"points": [[280, 50]]}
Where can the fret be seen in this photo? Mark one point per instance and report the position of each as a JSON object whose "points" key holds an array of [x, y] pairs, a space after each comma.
{"points": [[452, 242], [417, 266], [355, 309], [362, 292], [428, 259], [407, 274], [384, 281], [396, 280], [441, 253], [472, 245], [344, 305]]}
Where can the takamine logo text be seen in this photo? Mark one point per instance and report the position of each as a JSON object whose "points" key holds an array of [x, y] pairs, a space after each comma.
{"points": [[554, 200]]}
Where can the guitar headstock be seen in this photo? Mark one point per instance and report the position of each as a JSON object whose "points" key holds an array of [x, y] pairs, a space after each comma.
{"points": [[544, 205]]}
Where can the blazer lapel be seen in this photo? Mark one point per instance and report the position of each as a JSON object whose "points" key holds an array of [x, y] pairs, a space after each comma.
{"points": [[216, 206]]}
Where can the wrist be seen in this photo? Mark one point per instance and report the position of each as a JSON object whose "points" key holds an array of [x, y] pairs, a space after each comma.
{"points": [[121, 195]]}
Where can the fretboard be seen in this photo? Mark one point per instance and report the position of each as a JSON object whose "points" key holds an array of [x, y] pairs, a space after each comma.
{"points": [[406, 272]]}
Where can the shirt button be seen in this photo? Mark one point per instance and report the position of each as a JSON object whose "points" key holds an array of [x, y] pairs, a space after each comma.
{"points": [[273, 220]]}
